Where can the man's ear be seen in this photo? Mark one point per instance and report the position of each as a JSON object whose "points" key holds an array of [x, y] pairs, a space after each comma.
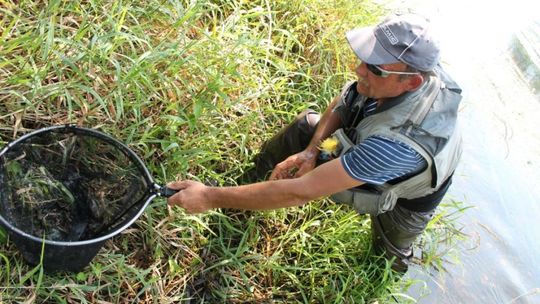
{"points": [[414, 82]]}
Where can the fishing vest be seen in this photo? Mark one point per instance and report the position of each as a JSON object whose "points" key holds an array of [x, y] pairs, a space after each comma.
{"points": [[424, 119]]}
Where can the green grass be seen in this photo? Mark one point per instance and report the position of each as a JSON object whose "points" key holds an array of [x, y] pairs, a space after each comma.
{"points": [[194, 87]]}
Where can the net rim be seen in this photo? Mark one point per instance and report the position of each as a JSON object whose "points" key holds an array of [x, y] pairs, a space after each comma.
{"points": [[153, 187]]}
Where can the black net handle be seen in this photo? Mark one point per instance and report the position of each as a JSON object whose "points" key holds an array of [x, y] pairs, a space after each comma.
{"points": [[167, 192]]}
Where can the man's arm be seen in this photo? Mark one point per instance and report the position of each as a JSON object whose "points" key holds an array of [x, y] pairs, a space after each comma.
{"points": [[324, 180], [330, 122]]}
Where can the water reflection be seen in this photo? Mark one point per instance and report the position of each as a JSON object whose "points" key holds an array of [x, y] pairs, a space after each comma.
{"points": [[525, 49], [500, 170]]}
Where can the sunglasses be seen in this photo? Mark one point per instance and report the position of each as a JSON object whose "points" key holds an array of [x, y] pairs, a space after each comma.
{"points": [[378, 71]]}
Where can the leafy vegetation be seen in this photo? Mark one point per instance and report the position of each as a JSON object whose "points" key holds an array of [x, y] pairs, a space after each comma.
{"points": [[194, 87]]}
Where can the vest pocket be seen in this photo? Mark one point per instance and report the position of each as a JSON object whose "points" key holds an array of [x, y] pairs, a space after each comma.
{"points": [[366, 202]]}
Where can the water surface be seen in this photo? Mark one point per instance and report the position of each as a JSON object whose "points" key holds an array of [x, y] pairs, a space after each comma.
{"points": [[500, 171]]}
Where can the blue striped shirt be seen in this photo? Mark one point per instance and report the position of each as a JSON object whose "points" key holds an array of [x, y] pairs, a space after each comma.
{"points": [[379, 159]]}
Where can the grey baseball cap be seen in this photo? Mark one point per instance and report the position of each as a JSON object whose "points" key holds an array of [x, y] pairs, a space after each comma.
{"points": [[406, 38]]}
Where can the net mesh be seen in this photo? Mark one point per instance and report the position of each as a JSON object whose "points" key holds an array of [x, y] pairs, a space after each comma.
{"points": [[69, 186]]}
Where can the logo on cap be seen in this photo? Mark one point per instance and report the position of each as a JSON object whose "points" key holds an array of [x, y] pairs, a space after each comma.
{"points": [[388, 33]]}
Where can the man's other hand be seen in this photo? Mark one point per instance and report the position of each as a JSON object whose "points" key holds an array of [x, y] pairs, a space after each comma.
{"points": [[295, 165]]}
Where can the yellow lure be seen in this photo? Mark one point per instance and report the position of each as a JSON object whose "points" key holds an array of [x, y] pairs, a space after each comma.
{"points": [[329, 145]]}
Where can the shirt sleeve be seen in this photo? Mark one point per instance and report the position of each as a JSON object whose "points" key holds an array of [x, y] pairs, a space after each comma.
{"points": [[377, 160]]}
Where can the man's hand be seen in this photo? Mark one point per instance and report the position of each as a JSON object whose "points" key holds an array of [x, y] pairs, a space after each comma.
{"points": [[295, 165], [191, 196]]}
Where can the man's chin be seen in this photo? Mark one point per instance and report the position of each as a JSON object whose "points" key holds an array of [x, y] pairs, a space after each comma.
{"points": [[362, 89]]}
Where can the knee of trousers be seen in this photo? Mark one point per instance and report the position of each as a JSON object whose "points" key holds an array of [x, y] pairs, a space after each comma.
{"points": [[311, 117], [304, 124], [293, 138]]}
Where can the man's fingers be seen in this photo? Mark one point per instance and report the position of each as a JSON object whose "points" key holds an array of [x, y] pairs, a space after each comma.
{"points": [[178, 185], [289, 168], [304, 169], [177, 198], [277, 173], [301, 171]]}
